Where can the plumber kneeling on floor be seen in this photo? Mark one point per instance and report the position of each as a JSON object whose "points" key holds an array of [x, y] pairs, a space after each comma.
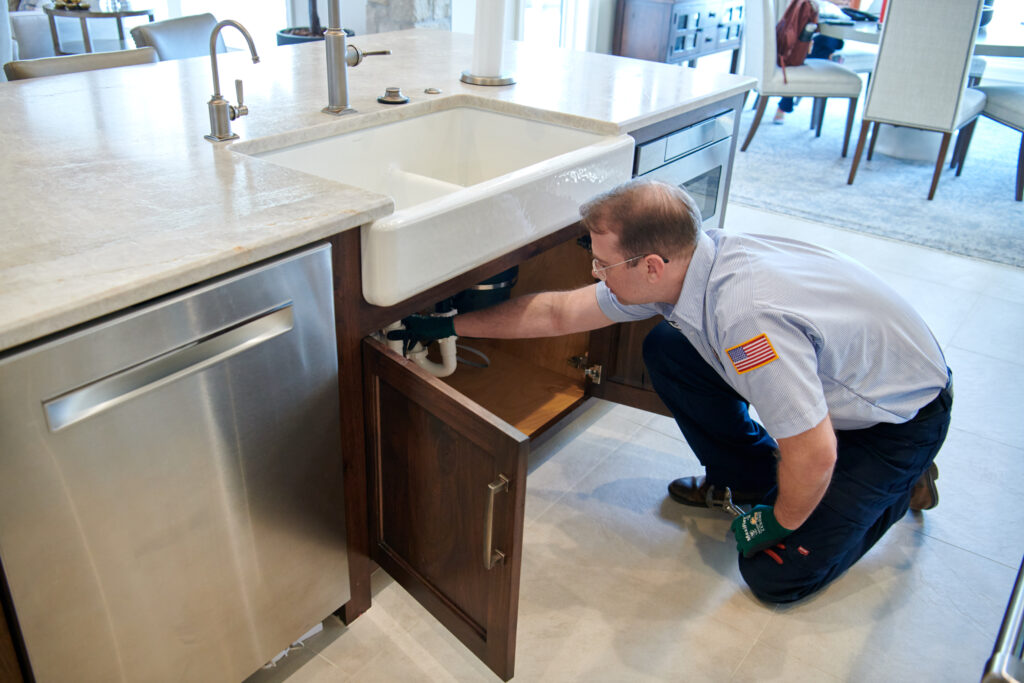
{"points": [[851, 387]]}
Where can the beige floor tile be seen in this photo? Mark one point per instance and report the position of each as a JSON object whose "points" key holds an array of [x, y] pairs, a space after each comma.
{"points": [[913, 609], [988, 395], [1006, 283], [994, 327], [620, 546], [977, 477], [563, 458], [664, 425], [765, 664]]}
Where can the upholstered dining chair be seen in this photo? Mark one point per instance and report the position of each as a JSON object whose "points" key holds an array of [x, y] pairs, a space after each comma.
{"points": [[179, 38], [817, 78], [1005, 104], [53, 66], [920, 79]]}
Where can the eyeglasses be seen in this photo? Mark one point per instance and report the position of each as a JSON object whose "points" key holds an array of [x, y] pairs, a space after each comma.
{"points": [[599, 271]]}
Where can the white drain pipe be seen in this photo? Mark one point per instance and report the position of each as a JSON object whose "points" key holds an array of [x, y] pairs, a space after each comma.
{"points": [[418, 353]]}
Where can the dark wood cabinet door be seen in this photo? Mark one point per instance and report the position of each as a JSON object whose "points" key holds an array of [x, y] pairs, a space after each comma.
{"points": [[618, 349], [438, 467]]}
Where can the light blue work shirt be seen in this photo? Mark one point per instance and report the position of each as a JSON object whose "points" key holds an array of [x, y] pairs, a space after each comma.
{"points": [[839, 340]]}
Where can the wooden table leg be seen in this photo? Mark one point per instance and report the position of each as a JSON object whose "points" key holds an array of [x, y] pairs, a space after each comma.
{"points": [[85, 35], [53, 35]]}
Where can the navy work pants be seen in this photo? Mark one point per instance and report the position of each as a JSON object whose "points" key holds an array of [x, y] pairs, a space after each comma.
{"points": [[875, 471]]}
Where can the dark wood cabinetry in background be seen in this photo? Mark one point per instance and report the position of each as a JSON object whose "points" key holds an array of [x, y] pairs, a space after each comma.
{"points": [[676, 31]]}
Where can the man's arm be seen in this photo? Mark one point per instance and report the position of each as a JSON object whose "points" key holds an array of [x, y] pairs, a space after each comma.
{"points": [[545, 314], [805, 469]]}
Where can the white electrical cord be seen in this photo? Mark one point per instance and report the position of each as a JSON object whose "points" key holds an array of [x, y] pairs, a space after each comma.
{"points": [[485, 364]]}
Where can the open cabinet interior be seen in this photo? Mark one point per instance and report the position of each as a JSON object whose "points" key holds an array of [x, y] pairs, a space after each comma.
{"points": [[531, 383], [447, 456]]}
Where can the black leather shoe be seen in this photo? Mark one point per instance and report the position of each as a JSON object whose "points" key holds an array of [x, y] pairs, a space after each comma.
{"points": [[925, 495], [697, 492]]}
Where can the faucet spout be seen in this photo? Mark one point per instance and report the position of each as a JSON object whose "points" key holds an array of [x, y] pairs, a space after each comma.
{"points": [[221, 112], [340, 56], [213, 49], [337, 62]]}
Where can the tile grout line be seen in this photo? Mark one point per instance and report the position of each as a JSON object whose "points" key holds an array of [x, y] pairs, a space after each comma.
{"points": [[582, 476], [985, 355], [959, 547], [753, 643]]}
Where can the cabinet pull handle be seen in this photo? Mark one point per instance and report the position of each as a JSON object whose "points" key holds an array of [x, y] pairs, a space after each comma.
{"points": [[492, 557]]}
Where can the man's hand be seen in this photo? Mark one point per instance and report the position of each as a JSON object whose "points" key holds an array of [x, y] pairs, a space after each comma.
{"points": [[757, 530], [423, 329]]}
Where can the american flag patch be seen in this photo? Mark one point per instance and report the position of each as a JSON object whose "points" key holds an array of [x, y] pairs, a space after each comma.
{"points": [[752, 354]]}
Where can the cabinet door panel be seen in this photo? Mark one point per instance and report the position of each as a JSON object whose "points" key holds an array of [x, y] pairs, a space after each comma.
{"points": [[434, 456]]}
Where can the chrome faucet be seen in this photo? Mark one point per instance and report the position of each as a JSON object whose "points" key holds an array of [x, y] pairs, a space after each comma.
{"points": [[222, 113], [340, 56]]}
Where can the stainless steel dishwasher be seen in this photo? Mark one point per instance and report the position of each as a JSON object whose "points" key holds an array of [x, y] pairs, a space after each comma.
{"points": [[171, 504]]}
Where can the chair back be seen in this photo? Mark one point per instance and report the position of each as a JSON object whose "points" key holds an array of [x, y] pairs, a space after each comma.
{"points": [[52, 66], [759, 39], [179, 38], [6, 41], [924, 59]]}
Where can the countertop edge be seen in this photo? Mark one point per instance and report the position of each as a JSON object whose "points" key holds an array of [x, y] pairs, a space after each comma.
{"points": [[82, 311]]}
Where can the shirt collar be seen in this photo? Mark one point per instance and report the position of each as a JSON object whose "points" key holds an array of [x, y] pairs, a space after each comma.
{"points": [[690, 306]]}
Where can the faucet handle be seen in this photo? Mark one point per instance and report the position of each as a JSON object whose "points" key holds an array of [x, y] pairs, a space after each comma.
{"points": [[241, 109], [354, 56]]}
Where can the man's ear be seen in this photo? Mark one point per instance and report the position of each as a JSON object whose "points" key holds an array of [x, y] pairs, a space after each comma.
{"points": [[655, 267]]}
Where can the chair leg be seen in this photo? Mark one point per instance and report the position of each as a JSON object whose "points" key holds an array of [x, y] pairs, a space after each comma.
{"points": [[954, 159], [819, 115], [860, 149], [874, 136], [762, 102], [1020, 171], [939, 163], [964, 136], [849, 124]]}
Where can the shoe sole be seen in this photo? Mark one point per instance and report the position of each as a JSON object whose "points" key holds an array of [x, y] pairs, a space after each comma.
{"points": [[687, 501], [746, 500]]}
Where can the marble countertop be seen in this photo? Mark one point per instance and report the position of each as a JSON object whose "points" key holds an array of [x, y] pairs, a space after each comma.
{"points": [[111, 195]]}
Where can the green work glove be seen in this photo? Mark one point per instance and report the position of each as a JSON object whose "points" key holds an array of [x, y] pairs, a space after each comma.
{"points": [[423, 329], [757, 530]]}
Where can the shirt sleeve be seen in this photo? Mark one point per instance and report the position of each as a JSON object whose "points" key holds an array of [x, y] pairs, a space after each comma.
{"points": [[619, 312], [771, 359]]}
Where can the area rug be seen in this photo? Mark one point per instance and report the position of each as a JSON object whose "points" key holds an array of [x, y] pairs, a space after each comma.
{"points": [[787, 170]]}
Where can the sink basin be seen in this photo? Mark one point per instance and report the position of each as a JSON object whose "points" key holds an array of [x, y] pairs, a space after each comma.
{"points": [[469, 184]]}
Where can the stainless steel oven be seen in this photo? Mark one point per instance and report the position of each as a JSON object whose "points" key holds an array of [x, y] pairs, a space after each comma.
{"points": [[695, 158]]}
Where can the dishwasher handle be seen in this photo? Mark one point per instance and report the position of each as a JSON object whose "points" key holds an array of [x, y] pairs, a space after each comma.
{"points": [[103, 394]]}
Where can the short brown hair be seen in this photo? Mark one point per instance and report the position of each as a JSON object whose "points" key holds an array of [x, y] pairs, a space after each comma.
{"points": [[648, 216]]}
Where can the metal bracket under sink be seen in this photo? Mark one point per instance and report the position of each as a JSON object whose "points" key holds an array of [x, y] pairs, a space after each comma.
{"points": [[593, 372]]}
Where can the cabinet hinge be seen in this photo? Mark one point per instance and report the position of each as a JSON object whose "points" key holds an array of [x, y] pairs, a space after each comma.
{"points": [[593, 372]]}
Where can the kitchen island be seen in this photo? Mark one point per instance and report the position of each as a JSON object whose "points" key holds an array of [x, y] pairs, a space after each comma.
{"points": [[113, 197]]}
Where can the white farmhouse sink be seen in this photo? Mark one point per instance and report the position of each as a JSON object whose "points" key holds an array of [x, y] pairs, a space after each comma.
{"points": [[468, 186]]}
